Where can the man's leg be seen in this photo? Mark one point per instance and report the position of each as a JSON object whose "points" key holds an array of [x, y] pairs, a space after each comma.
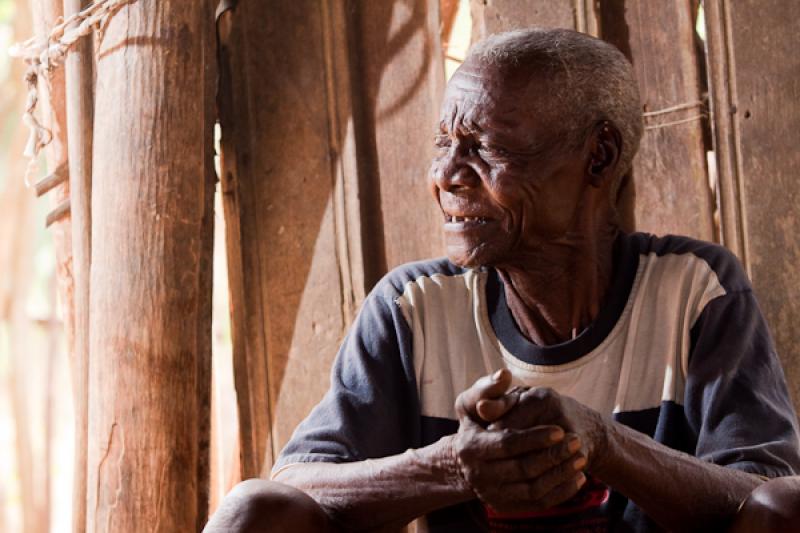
{"points": [[772, 507], [257, 505]]}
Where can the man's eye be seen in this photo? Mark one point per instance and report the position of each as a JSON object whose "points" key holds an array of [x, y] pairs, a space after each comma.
{"points": [[493, 150]]}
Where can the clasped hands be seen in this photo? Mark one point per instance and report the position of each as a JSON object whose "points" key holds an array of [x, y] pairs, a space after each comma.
{"points": [[523, 450]]}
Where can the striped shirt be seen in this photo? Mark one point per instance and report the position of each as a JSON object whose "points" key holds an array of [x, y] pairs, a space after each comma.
{"points": [[679, 351]]}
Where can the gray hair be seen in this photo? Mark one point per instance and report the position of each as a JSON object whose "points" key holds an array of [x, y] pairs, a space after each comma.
{"points": [[587, 80]]}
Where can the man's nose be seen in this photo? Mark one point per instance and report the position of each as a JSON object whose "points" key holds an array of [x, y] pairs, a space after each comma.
{"points": [[453, 173]]}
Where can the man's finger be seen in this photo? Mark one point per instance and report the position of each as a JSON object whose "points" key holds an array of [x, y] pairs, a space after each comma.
{"points": [[539, 488], [533, 464], [488, 445], [551, 488], [562, 492], [535, 407], [488, 387], [490, 409]]}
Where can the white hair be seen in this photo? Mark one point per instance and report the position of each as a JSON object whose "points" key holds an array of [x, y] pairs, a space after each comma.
{"points": [[587, 81]]}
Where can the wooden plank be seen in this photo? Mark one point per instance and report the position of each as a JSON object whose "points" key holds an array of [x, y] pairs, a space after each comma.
{"points": [[755, 58], [495, 16], [671, 182], [205, 283], [79, 72], [401, 82], [147, 301], [244, 278], [727, 150], [284, 194], [326, 145]]}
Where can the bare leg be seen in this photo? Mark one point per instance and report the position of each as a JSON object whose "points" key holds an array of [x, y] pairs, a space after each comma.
{"points": [[772, 507], [257, 505]]}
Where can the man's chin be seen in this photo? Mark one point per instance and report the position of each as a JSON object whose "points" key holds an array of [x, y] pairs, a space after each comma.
{"points": [[468, 258]]}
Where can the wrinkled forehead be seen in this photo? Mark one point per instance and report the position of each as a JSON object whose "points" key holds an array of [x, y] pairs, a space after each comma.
{"points": [[477, 92]]}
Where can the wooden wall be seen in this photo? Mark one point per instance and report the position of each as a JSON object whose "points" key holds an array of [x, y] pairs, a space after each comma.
{"points": [[755, 84], [326, 142]]}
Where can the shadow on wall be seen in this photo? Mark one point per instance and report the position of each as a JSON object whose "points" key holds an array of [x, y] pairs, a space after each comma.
{"points": [[326, 118]]}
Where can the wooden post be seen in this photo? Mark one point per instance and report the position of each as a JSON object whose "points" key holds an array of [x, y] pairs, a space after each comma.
{"points": [[79, 67], [148, 302]]}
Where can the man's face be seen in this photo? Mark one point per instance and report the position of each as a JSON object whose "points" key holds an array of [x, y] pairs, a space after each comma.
{"points": [[503, 187]]}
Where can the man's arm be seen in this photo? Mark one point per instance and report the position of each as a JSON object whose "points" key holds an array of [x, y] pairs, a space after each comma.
{"points": [[530, 468], [384, 493], [678, 491]]}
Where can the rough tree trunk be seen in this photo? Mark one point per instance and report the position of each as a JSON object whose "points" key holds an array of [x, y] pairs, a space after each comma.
{"points": [[151, 210]]}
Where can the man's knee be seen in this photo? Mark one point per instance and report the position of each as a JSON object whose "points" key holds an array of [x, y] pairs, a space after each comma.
{"points": [[258, 505], [773, 506]]}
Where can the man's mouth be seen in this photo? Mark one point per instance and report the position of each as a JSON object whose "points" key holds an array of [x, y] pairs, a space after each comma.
{"points": [[455, 219]]}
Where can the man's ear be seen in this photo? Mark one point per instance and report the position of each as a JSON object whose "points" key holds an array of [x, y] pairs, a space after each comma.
{"points": [[605, 145]]}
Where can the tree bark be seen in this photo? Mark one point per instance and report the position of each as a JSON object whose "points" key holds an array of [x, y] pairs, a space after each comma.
{"points": [[150, 267]]}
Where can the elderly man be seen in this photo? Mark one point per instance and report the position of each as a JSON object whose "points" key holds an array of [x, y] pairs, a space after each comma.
{"points": [[629, 381]]}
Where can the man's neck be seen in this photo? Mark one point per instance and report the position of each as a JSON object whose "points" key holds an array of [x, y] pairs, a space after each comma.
{"points": [[556, 292]]}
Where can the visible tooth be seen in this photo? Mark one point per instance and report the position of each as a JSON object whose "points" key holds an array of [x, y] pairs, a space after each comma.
{"points": [[469, 219]]}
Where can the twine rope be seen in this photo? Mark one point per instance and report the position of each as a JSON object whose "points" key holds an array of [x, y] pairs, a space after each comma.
{"points": [[44, 55], [672, 109], [676, 122]]}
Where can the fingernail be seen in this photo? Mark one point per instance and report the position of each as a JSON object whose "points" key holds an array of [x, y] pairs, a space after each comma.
{"points": [[574, 444], [556, 435], [496, 375], [579, 463], [581, 481]]}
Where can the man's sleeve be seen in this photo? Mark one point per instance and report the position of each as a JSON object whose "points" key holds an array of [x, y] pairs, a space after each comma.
{"points": [[372, 408], [737, 403]]}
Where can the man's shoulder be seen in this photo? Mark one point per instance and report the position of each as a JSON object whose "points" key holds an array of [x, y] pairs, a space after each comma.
{"points": [[395, 282], [718, 259]]}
